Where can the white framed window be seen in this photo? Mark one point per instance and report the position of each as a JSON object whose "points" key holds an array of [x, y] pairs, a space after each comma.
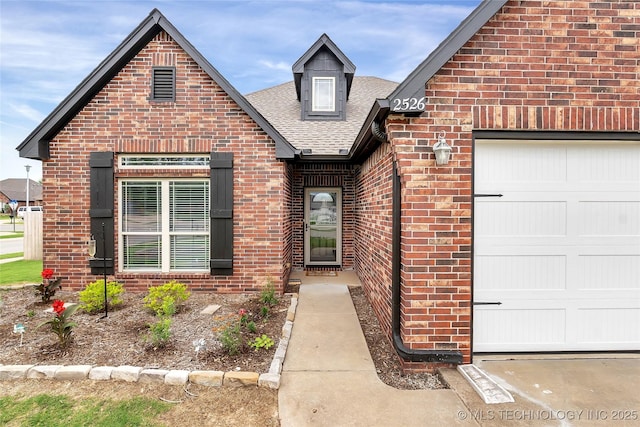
{"points": [[323, 94], [164, 225], [163, 161]]}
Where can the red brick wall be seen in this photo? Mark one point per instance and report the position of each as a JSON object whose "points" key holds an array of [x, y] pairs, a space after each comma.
{"points": [[536, 65], [373, 232], [203, 118], [287, 215]]}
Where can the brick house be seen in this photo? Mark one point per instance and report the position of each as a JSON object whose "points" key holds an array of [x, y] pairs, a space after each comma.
{"points": [[526, 239], [16, 189]]}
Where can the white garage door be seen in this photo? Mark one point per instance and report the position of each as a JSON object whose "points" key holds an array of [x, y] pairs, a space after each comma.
{"points": [[560, 250]]}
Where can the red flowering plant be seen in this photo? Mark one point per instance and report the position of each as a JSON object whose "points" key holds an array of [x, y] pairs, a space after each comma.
{"points": [[60, 324], [47, 289]]}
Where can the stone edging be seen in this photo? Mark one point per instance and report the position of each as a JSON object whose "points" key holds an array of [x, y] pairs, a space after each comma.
{"points": [[270, 379]]}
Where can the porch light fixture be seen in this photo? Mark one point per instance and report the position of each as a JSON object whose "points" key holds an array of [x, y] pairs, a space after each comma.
{"points": [[442, 150]]}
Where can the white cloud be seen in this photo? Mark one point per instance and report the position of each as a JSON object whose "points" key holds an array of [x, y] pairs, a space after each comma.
{"points": [[272, 65], [27, 112]]}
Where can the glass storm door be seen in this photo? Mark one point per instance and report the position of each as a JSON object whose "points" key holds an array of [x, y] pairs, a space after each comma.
{"points": [[323, 226]]}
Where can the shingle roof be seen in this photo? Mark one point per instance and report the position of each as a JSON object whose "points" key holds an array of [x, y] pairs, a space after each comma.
{"points": [[16, 189], [281, 108]]}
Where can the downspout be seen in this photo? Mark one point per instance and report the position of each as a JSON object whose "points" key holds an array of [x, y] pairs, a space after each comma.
{"points": [[377, 132], [442, 356]]}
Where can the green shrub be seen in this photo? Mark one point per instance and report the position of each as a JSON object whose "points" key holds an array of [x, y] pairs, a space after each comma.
{"points": [[166, 298], [262, 341], [268, 293], [168, 307], [251, 327], [231, 339], [264, 312], [92, 297], [160, 332]]}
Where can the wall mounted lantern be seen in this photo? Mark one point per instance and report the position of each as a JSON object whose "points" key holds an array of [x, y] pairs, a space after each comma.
{"points": [[91, 247], [442, 150]]}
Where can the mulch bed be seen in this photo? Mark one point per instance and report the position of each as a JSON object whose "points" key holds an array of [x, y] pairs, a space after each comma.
{"points": [[121, 338]]}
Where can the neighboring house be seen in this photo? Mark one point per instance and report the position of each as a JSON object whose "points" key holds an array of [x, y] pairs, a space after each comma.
{"points": [[16, 189], [528, 239]]}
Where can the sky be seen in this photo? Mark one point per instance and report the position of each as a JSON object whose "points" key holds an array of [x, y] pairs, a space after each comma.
{"points": [[48, 47]]}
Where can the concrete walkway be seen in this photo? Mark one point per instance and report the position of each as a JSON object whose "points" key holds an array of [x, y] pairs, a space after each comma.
{"points": [[329, 378]]}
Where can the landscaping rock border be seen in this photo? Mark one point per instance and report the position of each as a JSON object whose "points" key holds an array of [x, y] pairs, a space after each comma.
{"points": [[269, 380]]}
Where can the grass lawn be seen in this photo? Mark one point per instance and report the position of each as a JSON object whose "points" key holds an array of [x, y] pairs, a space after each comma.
{"points": [[59, 410], [20, 272], [12, 255], [12, 235]]}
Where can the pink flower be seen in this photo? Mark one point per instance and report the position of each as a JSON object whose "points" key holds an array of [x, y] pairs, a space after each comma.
{"points": [[242, 312]]}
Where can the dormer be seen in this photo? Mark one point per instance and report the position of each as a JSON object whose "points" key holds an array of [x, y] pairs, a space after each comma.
{"points": [[323, 77]]}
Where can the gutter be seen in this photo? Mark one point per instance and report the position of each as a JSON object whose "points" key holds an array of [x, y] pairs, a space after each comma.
{"points": [[441, 356], [367, 141]]}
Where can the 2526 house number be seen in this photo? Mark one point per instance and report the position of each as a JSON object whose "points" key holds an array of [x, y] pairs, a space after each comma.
{"points": [[408, 104]]}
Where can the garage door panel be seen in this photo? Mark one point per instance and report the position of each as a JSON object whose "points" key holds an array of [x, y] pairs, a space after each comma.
{"points": [[562, 242], [609, 272], [521, 328], [521, 272], [520, 163], [535, 218], [609, 218], [548, 325], [608, 326], [604, 164]]}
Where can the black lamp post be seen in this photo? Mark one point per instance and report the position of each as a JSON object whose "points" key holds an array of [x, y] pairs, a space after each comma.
{"points": [[104, 269], [92, 253]]}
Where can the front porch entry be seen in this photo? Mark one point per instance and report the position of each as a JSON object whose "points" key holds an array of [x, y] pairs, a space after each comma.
{"points": [[323, 226]]}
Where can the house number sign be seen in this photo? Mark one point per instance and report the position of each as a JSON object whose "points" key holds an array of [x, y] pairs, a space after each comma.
{"points": [[408, 104]]}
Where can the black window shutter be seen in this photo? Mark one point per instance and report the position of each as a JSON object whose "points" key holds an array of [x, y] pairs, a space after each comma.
{"points": [[221, 214], [101, 210]]}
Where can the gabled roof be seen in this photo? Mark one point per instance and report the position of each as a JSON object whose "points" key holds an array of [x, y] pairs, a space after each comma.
{"points": [[323, 42], [414, 85], [36, 145], [326, 139], [16, 189]]}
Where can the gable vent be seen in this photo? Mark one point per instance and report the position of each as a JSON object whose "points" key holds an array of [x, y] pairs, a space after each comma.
{"points": [[163, 87]]}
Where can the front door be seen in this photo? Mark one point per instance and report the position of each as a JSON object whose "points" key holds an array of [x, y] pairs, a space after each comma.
{"points": [[323, 226]]}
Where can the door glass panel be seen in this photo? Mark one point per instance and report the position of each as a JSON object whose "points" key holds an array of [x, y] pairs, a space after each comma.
{"points": [[323, 226]]}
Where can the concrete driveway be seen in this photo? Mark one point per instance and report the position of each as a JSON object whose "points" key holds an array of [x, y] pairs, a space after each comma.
{"points": [[557, 390]]}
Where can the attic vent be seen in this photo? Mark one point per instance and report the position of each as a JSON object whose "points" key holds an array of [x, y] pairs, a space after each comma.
{"points": [[163, 86]]}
